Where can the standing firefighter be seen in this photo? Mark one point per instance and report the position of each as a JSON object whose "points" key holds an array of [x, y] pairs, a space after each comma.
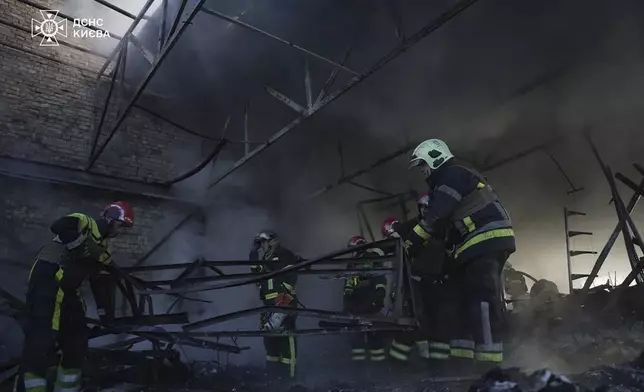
{"points": [[278, 291], [404, 342], [479, 239], [55, 308], [364, 294]]}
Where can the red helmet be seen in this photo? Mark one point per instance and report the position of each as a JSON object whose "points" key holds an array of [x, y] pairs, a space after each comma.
{"points": [[119, 211], [356, 240], [423, 200], [387, 227]]}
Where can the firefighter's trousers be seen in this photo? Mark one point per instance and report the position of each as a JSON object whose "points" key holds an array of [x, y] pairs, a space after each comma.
{"points": [[54, 318], [438, 307], [404, 342], [478, 326], [282, 350], [369, 345]]}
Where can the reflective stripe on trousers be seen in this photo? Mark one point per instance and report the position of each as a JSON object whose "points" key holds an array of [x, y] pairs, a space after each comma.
{"points": [[33, 383], [461, 348], [358, 354], [489, 352], [377, 354], [439, 350], [423, 348], [67, 380], [399, 351]]}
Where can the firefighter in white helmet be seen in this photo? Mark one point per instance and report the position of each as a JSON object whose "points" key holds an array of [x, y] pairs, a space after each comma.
{"points": [[479, 240], [279, 291]]}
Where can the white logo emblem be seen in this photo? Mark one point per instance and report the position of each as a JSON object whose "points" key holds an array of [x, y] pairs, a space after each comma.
{"points": [[49, 27]]}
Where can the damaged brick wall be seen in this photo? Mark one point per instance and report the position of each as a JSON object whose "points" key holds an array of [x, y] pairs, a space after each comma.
{"points": [[47, 107]]}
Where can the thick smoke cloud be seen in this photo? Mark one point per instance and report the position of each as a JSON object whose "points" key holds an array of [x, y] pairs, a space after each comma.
{"points": [[499, 79]]}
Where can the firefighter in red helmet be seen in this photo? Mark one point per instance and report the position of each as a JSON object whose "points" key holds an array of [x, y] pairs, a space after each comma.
{"points": [[55, 307], [364, 294]]}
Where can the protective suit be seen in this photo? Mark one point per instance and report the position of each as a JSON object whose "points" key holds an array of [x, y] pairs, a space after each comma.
{"points": [[281, 352], [364, 294], [479, 240], [55, 307]]}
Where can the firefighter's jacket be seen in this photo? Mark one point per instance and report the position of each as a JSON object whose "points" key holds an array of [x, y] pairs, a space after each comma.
{"points": [[365, 293], [270, 289], [476, 221], [80, 252]]}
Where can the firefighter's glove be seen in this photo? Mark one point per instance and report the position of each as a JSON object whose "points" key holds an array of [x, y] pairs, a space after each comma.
{"points": [[284, 300]]}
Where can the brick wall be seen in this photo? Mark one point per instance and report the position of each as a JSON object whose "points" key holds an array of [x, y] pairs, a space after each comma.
{"points": [[47, 108]]}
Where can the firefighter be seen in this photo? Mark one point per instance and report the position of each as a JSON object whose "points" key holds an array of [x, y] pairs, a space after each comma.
{"points": [[515, 287], [428, 267], [403, 343], [279, 291], [55, 307], [479, 239], [365, 295]]}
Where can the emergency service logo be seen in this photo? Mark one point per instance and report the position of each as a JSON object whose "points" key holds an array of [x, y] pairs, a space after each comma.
{"points": [[49, 28]]}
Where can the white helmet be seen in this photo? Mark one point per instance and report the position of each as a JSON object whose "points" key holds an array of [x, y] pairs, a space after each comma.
{"points": [[434, 152]]}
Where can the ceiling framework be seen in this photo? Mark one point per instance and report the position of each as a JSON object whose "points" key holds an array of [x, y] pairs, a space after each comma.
{"points": [[168, 38], [181, 21]]}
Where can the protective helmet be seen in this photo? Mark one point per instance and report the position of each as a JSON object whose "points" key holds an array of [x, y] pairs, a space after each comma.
{"points": [[387, 227], [266, 235], [356, 240], [434, 152], [423, 201], [119, 211]]}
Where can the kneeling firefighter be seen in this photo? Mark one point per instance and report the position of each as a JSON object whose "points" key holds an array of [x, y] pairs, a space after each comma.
{"points": [[55, 307], [279, 291], [479, 239], [364, 294]]}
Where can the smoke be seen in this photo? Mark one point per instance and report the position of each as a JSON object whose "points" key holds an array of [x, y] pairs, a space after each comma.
{"points": [[497, 80]]}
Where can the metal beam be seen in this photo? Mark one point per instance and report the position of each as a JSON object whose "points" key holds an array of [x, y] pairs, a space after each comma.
{"points": [[115, 8], [99, 126], [394, 53], [149, 57], [627, 223], [128, 32], [398, 50], [175, 124], [318, 313], [173, 41], [292, 45], [284, 271], [613, 237], [286, 100], [339, 273], [568, 255], [237, 263], [332, 77], [43, 172]]}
